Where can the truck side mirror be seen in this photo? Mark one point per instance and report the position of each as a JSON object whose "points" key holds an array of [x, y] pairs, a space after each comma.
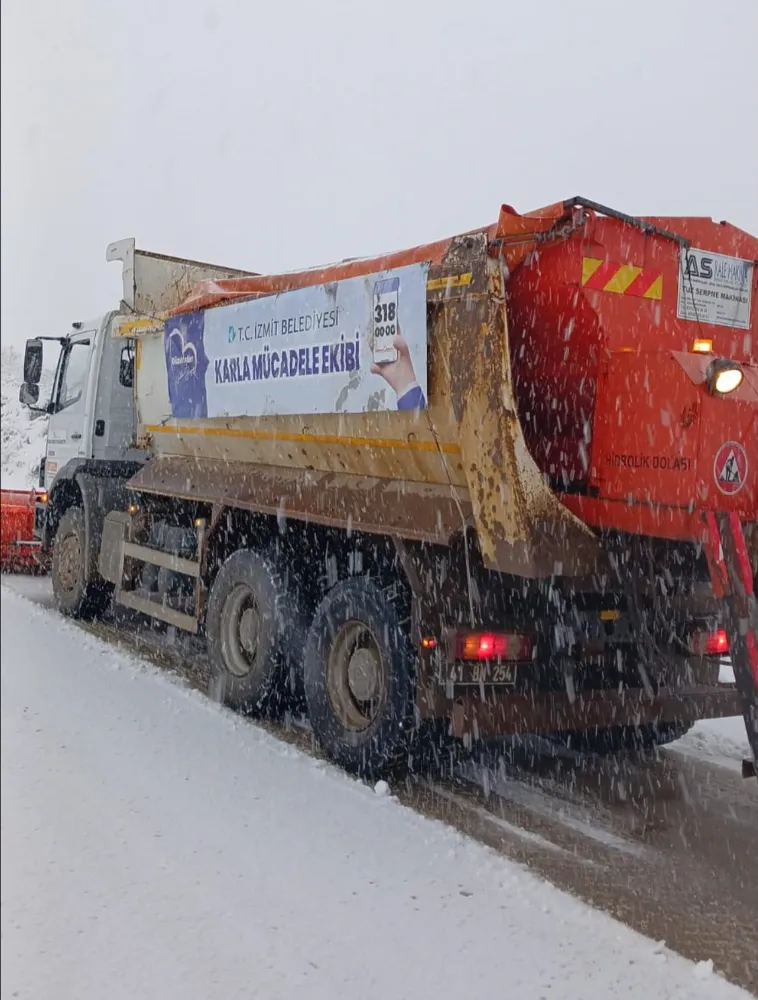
{"points": [[33, 363], [126, 367], [28, 394]]}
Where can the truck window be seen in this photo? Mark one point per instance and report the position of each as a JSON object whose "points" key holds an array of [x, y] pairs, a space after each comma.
{"points": [[75, 366], [126, 367]]}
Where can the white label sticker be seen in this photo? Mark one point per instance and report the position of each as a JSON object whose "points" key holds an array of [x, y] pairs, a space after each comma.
{"points": [[714, 289]]}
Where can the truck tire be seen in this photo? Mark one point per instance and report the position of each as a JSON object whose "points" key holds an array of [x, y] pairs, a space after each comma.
{"points": [[77, 594], [249, 631], [359, 679]]}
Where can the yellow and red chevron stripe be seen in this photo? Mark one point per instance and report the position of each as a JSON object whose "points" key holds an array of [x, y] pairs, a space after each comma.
{"points": [[623, 279]]}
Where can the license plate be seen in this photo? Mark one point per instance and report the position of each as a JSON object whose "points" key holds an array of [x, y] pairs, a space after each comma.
{"points": [[484, 673]]}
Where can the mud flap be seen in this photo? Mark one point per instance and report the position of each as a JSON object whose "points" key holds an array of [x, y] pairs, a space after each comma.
{"points": [[732, 582]]}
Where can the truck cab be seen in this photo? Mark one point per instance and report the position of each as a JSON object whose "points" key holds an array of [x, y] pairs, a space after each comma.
{"points": [[92, 426], [91, 407]]}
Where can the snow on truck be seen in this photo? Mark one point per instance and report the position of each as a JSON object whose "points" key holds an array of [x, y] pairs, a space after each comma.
{"points": [[503, 483]]}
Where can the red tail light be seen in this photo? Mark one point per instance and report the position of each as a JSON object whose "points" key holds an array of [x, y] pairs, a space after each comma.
{"points": [[492, 646], [710, 643], [717, 643]]}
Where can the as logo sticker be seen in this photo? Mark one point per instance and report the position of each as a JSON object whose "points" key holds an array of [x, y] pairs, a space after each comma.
{"points": [[730, 468]]}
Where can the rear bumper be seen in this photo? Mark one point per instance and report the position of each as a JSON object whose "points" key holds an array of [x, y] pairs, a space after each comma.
{"points": [[505, 715]]}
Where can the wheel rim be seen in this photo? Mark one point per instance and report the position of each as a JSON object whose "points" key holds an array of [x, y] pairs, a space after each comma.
{"points": [[69, 556], [356, 676], [241, 632]]}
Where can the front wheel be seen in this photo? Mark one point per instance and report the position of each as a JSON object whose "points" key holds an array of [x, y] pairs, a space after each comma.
{"points": [[358, 676], [77, 594]]}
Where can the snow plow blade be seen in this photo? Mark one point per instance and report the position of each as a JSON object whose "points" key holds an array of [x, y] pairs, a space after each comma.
{"points": [[20, 551]]}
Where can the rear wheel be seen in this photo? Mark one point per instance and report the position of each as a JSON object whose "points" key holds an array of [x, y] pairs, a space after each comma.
{"points": [[358, 675], [252, 634], [76, 592]]}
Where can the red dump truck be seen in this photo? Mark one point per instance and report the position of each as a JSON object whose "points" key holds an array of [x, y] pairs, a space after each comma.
{"points": [[503, 483]]}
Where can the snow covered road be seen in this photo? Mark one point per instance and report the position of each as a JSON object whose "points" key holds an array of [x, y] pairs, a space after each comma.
{"points": [[156, 846]]}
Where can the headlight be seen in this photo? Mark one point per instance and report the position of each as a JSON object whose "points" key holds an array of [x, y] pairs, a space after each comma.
{"points": [[723, 377]]}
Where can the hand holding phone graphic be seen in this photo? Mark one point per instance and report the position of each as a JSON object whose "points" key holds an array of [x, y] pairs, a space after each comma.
{"points": [[385, 320]]}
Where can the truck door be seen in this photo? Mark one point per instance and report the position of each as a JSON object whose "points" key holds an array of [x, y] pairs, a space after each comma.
{"points": [[67, 435], [114, 411]]}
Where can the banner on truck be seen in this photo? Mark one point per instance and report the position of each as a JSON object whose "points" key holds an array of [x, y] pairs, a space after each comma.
{"points": [[714, 289], [351, 346]]}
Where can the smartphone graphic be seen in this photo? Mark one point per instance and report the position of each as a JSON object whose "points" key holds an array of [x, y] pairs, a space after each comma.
{"points": [[385, 327]]}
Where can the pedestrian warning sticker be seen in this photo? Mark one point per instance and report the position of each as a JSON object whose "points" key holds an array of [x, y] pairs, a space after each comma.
{"points": [[730, 468]]}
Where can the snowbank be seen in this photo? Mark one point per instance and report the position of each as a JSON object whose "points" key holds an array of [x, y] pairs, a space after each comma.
{"points": [[22, 436], [155, 845], [722, 741]]}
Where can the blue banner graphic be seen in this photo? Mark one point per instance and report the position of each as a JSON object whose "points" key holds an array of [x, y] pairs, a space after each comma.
{"points": [[351, 346]]}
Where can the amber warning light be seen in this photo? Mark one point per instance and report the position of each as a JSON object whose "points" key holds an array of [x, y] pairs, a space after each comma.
{"points": [[702, 346]]}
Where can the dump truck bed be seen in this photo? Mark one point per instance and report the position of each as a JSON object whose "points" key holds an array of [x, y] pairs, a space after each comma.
{"points": [[424, 474], [543, 331]]}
